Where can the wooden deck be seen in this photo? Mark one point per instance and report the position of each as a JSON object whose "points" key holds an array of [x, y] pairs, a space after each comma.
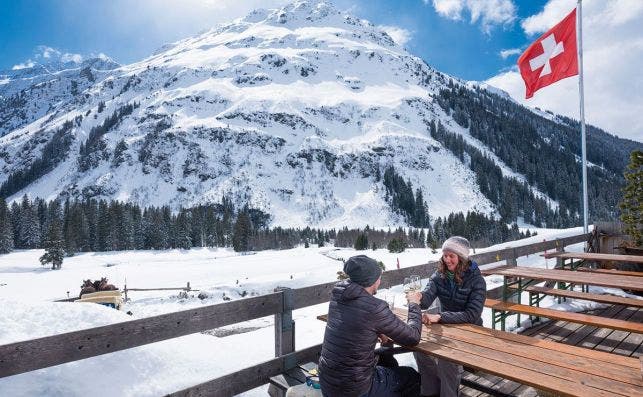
{"points": [[617, 342]]}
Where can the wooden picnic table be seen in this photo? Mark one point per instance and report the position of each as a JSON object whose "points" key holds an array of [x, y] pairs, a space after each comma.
{"points": [[518, 279], [555, 367], [591, 256], [632, 283]]}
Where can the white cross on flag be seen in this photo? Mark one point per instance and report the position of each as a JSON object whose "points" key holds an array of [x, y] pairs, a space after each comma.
{"points": [[550, 58]]}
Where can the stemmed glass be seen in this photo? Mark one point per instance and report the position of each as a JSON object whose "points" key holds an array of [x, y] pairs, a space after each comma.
{"points": [[411, 284]]}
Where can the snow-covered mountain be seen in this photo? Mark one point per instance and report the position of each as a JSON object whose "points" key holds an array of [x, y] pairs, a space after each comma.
{"points": [[295, 111], [29, 93]]}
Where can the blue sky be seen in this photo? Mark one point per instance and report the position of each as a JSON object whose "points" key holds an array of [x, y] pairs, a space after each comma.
{"points": [[86, 27], [464, 38]]}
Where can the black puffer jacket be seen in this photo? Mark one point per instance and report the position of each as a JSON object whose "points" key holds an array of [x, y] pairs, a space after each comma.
{"points": [[355, 318], [460, 303]]}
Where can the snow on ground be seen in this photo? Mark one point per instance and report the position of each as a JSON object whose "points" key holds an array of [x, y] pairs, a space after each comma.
{"points": [[27, 291]]}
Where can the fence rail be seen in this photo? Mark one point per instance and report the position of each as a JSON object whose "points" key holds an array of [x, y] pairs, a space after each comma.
{"points": [[25, 356]]}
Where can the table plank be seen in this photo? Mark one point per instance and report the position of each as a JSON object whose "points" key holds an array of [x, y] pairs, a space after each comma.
{"points": [[610, 271], [549, 378], [596, 257], [605, 280], [543, 354], [593, 355]]}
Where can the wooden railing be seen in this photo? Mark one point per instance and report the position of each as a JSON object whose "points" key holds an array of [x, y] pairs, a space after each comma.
{"points": [[25, 356]]}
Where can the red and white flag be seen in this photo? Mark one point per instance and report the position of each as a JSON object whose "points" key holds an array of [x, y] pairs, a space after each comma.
{"points": [[552, 57]]}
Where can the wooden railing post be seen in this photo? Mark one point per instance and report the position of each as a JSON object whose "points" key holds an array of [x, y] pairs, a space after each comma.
{"points": [[559, 261], [511, 260], [284, 324]]}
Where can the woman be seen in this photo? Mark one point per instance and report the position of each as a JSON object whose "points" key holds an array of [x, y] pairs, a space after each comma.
{"points": [[461, 290]]}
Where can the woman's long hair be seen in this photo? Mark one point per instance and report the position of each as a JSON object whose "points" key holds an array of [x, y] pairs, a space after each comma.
{"points": [[460, 269]]}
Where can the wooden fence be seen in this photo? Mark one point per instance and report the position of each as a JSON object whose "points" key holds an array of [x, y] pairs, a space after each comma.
{"points": [[25, 356]]}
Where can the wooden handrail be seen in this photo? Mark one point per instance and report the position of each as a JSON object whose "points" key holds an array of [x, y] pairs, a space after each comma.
{"points": [[19, 357]]}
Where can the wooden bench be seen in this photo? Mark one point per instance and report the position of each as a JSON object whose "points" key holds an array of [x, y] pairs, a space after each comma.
{"points": [[601, 298], [280, 384], [580, 318]]}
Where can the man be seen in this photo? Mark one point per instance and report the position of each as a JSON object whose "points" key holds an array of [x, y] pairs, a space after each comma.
{"points": [[347, 366]]}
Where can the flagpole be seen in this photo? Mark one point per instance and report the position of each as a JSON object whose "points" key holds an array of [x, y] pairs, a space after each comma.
{"points": [[579, 34]]}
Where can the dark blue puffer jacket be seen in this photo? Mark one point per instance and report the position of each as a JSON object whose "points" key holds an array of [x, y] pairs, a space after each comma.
{"points": [[355, 319], [460, 303]]}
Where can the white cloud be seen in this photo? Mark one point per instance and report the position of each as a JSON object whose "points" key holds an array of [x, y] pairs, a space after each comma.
{"points": [[451, 9], [612, 54], [25, 65], [488, 12], [76, 58], [400, 35], [47, 51], [49, 54], [509, 52]]}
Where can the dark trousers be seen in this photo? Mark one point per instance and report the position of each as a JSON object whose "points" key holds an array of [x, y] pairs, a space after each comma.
{"points": [[394, 382]]}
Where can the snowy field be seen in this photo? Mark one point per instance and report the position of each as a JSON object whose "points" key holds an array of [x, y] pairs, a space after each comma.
{"points": [[27, 291]]}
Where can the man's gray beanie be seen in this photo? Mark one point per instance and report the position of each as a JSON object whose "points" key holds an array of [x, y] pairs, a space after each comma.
{"points": [[459, 245], [362, 270]]}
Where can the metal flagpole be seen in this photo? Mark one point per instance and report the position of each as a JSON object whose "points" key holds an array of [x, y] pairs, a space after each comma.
{"points": [[579, 35]]}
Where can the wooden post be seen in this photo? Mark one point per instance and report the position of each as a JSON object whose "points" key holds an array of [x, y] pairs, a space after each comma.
{"points": [[511, 260], [515, 296], [284, 324], [559, 261]]}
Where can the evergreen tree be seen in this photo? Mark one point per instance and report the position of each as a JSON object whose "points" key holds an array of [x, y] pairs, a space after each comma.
{"points": [[361, 242], [28, 225], [6, 229], [396, 245], [632, 203], [242, 229], [54, 245], [183, 232]]}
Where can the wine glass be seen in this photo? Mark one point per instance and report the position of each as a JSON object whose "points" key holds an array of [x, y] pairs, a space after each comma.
{"points": [[416, 284], [411, 284]]}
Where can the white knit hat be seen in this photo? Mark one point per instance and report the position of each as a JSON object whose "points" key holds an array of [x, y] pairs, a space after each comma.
{"points": [[458, 245]]}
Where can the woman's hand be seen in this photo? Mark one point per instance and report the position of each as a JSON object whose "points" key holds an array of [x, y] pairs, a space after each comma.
{"points": [[429, 319], [414, 297]]}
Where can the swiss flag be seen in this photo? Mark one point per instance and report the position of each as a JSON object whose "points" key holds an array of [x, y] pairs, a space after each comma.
{"points": [[552, 57]]}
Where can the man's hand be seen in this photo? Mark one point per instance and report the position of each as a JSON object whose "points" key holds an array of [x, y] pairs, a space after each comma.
{"points": [[384, 339], [414, 297], [429, 319]]}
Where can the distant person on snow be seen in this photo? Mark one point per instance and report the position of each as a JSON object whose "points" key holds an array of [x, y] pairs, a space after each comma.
{"points": [[461, 289], [356, 319]]}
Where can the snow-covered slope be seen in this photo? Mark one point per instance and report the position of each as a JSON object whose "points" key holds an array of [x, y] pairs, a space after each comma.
{"points": [[296, 111], [50, 89]]}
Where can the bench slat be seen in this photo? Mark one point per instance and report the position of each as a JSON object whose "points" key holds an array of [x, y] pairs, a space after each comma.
{"points": [[580, 318], [615, 300]]}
